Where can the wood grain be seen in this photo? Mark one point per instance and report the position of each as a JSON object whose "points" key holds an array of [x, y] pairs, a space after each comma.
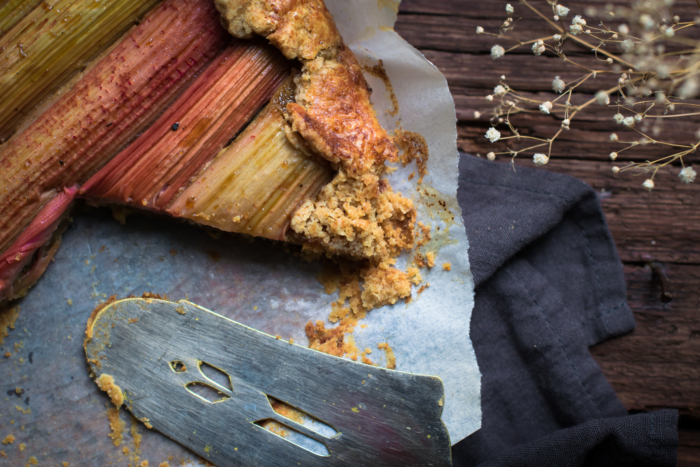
{"points": [[658, 364]]}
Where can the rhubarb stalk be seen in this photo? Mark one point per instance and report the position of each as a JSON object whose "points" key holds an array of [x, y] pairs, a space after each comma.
{"points": [[27, 258], [255, 185], [53, 42], [106, 109], [151, 171], [12, 12]]}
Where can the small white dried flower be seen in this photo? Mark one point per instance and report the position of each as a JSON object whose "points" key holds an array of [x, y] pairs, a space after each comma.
{"points": [[623, 29], [613, 136], [575, 29], [489, 98], [555, 18], [503, 77], [602, 98], [477, 114], [609, 60], [578, 20], [660, 97], [613, 156], [638, 118], [499, 90], [627, 45], [669, 32], [497, 51], [556, 37], [510, 103], [588, 31], [687, 175], [538, 48], [561, 10], [616, 170], [509, 9], [648, 184], [565, 123], [619, 118], [479, 30], [628, 122], [558, 85], [546, 107], [671, 107], [493, 135], [540, 159], [646, 21], [689, 88], [676, 18], [491, 156], [614, 36]]}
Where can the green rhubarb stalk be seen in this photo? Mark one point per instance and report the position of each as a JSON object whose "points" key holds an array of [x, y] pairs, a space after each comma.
{"points": [[106, 109], [254, 185], [12, 12]]}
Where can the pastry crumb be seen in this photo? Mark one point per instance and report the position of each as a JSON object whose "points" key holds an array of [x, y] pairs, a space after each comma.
{"points": [[390, 356], [9, 439], [8, 318], [107, 384], [430, 257], [447, 266], [414, 148], [117, 425]]}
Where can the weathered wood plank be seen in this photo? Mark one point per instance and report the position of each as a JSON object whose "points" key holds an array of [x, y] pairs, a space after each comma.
{"points": [[656, 365], [687, 10]]}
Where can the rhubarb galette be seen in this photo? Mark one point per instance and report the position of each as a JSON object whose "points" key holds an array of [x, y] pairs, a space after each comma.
{"points": [[186, 118]]}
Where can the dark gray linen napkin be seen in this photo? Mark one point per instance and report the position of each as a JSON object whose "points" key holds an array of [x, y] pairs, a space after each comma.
{"points": [[549, 284]]}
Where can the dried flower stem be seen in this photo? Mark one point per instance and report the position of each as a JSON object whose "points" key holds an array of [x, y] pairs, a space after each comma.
{"points": [[674, 76]]}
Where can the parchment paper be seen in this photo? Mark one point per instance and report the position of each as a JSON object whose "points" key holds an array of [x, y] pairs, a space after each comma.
{"points": [[256, 282]]}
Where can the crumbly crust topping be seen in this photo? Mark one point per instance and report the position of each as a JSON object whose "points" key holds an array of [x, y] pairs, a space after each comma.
{"points": [[357, 214], [300, 29], [332, 109]]}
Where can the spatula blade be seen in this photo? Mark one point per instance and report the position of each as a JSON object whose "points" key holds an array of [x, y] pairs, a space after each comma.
{"points": [[157, 352]]}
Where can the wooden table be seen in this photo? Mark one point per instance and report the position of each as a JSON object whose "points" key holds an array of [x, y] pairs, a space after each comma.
{"points": [[658, 364]]}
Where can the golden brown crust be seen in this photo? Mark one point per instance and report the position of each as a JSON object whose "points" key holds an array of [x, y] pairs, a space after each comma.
{"points": [[333, 113], [332, 109], [300, 29]]}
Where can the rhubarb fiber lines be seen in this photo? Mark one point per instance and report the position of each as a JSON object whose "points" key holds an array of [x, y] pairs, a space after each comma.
{"points": [[104, 111], [150, 172], [46, 47], [254, 185]]}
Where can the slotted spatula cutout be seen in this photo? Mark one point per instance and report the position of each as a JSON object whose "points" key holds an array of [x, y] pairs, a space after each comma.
{"points": [[239, 397]]}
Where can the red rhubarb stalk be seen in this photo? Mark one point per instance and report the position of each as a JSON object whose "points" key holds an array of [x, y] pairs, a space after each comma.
{"points": [[106, 109], [151, 171]]}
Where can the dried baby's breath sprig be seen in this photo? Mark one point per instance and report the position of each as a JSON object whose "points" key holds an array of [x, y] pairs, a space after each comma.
{"points": [[646, 82]]}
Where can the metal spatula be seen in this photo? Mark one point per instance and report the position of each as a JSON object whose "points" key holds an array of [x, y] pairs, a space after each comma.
{"points": [[208, 383]]}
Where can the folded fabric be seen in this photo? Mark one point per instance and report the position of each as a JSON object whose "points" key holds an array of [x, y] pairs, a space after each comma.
{"points": [[549, 284]]}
